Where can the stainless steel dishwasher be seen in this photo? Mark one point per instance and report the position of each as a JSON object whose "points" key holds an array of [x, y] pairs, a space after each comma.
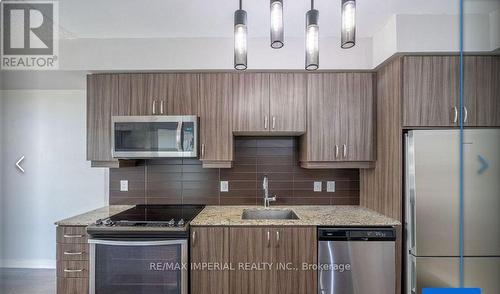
{"points": [[356, 261]]}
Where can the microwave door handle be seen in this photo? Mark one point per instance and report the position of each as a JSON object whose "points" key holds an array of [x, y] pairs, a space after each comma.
{"points": [[179, 130]]}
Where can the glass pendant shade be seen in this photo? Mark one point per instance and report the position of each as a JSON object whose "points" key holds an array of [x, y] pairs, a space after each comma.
{"points": [[312, 40], [348, 34], [240, 39], [277, 24]]}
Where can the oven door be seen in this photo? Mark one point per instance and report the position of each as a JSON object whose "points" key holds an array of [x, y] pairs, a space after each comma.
{"points": [[131, 267]]}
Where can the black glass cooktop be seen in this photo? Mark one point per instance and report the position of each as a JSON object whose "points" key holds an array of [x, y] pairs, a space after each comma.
{"points": [[158, 213]]}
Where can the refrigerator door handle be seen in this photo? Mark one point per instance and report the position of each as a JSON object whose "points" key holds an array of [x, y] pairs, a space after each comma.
{"points": [[410, 191], [413, 278]]}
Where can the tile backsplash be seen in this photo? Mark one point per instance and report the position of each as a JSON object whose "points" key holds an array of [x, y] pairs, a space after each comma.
{"points": [[184, 181]]}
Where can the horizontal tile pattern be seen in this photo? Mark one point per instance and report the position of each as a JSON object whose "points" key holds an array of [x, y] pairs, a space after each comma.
{"points": [[176, 181]]}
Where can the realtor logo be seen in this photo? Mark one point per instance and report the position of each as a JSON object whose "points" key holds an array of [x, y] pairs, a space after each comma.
{"points": [[29, 35]]}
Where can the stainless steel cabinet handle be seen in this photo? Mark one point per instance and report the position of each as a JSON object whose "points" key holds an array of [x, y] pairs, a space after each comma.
{"points": [[194, 238], [73, 236], [265, 122], [202, 150], [277, 239], [161, 107], [345, 150], [465, 115], [268, 239], [274, 121], [73, 270], [72, 253], [456, 114], [154, 106], [336, 151]]}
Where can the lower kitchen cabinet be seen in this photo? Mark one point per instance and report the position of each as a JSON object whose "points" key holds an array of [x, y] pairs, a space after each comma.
{"points": [[278, 253], [209, 245], [258, 259], [72, 260]]}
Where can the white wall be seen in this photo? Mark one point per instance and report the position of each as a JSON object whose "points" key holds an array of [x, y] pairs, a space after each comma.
{"points": [[48, 128]]}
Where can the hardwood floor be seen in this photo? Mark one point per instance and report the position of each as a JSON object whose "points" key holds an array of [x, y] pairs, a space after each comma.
{"points": [[27, 281]]}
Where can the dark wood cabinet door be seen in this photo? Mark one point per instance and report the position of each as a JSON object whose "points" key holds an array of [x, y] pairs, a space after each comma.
{"points": [[180, 96], [323, 118], [107, 95], [357, 112], [288, 103], [295, 246], [251, 245], [215, 109], [144, 90], [482, 91], [251, 103], [209, 245], [430, 90]]}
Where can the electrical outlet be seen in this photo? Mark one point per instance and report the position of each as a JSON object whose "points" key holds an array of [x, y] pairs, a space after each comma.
{"points": [[124, 185], [317, 187], [224, 186], [330, 186]]}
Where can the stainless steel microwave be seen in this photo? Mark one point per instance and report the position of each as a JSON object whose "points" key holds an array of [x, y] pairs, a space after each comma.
{"points": [[154, 136]]}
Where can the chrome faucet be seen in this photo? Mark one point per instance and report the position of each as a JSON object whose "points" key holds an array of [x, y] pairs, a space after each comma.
{"points": [[265, 186]]}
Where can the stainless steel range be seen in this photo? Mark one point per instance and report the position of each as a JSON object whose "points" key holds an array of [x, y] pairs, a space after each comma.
{"points": [[141, 250]]}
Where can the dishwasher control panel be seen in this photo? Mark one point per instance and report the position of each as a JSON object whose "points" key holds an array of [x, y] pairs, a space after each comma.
{"points": [[356, 234]]}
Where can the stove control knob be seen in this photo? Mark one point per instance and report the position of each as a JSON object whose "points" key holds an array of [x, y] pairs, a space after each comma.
{"points": [[180, 223], [171, 223], [108, 222], [98, 222]]}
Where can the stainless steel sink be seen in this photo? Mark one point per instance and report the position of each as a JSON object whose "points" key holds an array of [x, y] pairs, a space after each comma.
{"points": [[269, 214]]}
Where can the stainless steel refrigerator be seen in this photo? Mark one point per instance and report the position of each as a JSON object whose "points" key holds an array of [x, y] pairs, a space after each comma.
{"points": [[432, 209]]}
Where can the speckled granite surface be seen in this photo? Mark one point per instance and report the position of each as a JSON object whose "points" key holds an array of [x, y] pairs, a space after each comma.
{"points": [[90, 217], [308, 216]]}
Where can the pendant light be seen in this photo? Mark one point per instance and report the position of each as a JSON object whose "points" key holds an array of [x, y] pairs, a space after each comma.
{"points": [[240, 39], [348, 34], [277, 24], [312, 38]]}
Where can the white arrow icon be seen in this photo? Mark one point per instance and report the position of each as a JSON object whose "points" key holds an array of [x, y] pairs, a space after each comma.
{"points": [[18, 164]]}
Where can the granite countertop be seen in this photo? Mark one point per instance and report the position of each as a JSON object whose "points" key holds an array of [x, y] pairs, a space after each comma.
{"points": [[90, 217], [339, 215]]}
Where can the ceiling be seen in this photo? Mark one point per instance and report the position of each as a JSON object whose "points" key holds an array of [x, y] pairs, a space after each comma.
{"points": [[106, 19]]}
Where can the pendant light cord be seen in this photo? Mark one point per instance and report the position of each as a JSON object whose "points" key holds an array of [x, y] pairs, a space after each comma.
{"points": [[241, 4], [312, 4]]}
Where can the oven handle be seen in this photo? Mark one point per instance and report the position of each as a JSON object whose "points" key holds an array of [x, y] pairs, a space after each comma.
{"points": [[137, 243]]}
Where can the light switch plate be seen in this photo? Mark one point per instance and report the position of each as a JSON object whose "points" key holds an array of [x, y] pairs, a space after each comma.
{"points": [[124, 185], [330, 186], [317, 187], [224, 186]]}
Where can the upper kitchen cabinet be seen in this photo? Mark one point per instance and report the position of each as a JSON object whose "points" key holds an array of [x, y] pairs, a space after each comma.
{"points": [[164, 94], [430, 91], [107, 95], [287, 103], [481, 91], [215, 111], [269, 104], [250, 103], [340, 121]]}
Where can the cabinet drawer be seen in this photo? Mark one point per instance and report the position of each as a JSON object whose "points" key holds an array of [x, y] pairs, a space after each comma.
{"points": [[73, 269], [74, 235], [72, 286], [72, 251]]}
